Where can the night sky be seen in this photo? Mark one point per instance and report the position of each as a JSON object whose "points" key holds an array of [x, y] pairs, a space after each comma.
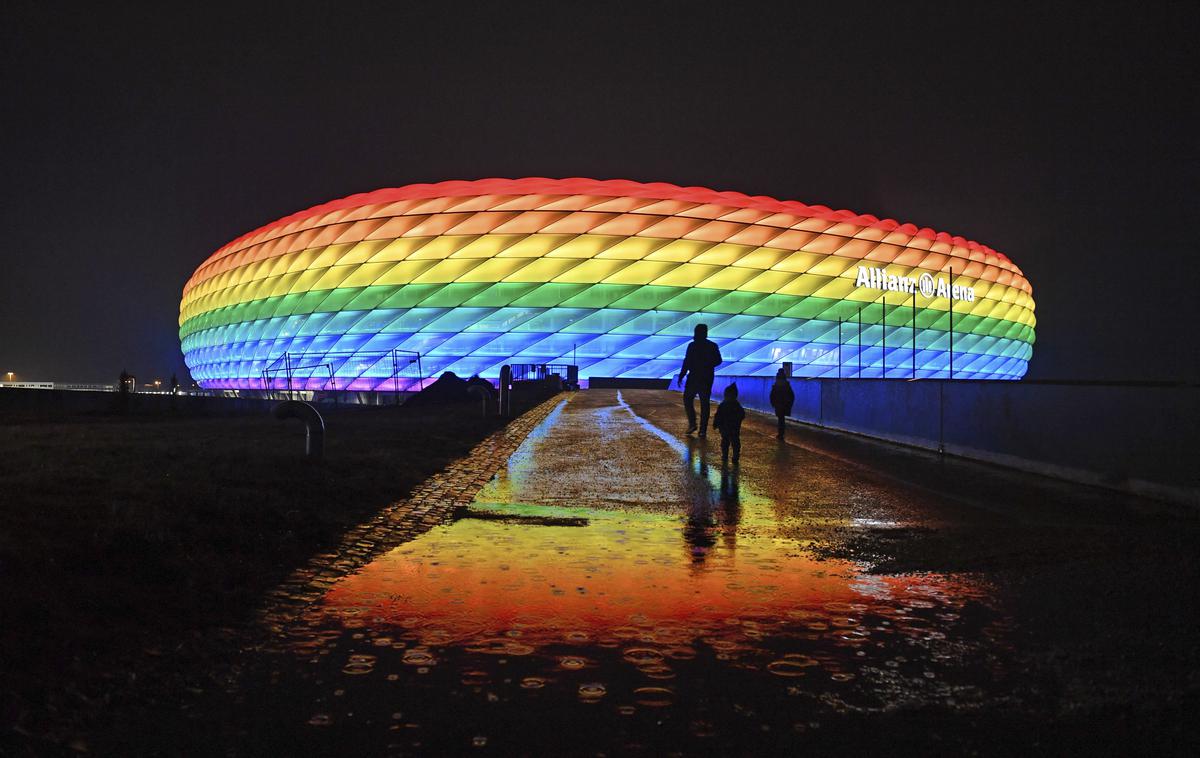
{"points": [[135, 143]]}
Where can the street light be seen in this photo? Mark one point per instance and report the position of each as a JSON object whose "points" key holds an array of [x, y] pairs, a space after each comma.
{"points": [[8, 377]]}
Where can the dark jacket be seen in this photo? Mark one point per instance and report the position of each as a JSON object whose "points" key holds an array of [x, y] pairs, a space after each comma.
{"points": [[700, 361], [728, 420], [782, 398]]}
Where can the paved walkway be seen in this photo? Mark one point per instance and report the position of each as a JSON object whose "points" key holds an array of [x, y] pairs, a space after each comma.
{"points": [[593, 580], [611, 448]]}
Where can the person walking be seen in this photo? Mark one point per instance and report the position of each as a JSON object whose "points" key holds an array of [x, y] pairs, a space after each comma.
{"points": [[728, 422], [699, 363], [782, 398]]}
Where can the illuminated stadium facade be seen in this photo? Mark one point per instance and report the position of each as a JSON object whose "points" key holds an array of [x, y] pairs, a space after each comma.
{"points": [[609, 275]]}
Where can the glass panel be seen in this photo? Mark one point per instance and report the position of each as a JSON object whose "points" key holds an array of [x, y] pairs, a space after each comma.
{"points": [[554, 319], [601, 322], [507, 345], [463, 344], [458, 319], [647, 298], [454, 294], [692, 300], [503, 319], [599, 295], [550, 294], [502, 293], [736, 302], [658, 347], [415, 319]]}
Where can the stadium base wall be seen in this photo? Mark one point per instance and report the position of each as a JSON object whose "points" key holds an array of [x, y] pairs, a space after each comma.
{"points": [[1133, 438]]}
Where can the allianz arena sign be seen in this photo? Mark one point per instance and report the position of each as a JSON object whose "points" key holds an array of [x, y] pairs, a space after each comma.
{"points": [[880, 279]]}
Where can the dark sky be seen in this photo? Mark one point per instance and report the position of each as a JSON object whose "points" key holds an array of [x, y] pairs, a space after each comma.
{"points": [[136, 142]]}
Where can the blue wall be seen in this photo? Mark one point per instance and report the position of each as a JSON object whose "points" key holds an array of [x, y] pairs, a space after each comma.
{"points": [[1138, 438]]}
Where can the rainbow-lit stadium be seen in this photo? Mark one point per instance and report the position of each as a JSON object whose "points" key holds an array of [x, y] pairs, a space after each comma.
{"points": [[383, 290]]}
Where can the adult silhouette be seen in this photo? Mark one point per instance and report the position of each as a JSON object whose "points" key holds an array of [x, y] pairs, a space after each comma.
{"points": [[699, 363]]}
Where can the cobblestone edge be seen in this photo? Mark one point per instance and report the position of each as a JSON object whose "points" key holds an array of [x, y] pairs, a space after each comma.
{"points": [[430, 504]]}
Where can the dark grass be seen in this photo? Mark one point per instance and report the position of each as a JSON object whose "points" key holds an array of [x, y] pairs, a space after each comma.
{"points": [[124, 538]]}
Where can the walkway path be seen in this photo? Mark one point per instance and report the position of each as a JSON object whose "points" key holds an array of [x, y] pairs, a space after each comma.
{"points": [[615, 589]]}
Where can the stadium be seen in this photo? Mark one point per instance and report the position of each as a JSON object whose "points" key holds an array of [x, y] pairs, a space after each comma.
{"points": [[383, 290]]}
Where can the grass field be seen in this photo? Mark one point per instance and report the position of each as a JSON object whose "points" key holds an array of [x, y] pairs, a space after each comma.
{"points": [[125, 537]]}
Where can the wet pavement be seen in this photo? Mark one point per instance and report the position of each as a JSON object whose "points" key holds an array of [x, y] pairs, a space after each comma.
{"points": [[616, 589]]}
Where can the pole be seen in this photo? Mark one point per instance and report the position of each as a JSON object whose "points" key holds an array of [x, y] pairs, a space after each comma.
{"points": [[941, 418], [395, 356], [505, 404], [914, 331], [883, 337], [951, 322], [860, 345], [839, 348]]}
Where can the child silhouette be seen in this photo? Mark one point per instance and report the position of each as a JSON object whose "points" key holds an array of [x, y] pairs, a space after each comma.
{"points": [[728, 422], [782, 398]]}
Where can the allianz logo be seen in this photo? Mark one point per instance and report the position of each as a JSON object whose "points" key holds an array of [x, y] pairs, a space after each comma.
{"points": [[926, 284]]}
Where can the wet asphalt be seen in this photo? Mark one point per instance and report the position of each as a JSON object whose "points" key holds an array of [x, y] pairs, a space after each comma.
{"points": [[617, 588]]}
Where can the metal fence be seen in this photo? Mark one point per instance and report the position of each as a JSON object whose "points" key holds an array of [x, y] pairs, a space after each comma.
{"points": [[390, 371]]}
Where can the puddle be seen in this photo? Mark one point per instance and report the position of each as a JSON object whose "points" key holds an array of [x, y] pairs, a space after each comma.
{"points": [[636, 627]]}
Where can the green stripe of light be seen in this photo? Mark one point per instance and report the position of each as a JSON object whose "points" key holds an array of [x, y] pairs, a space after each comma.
{"points": [[630, 297]]}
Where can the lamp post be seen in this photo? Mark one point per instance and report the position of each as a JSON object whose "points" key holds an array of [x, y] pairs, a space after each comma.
{"points": [[840, 347], [860, 345], [914, 334], [951, 322], [883, 336], [9, 376]]}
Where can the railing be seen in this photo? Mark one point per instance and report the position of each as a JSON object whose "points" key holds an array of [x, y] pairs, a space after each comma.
{"points": [[569, 373], [290, 369]]}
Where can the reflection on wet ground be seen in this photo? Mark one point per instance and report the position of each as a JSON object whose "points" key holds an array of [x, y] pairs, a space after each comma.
{"points": [[680, 608]]}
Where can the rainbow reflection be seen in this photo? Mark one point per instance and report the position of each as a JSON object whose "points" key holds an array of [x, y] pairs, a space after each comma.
{"points": [[639, 596], [719, 578]]}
